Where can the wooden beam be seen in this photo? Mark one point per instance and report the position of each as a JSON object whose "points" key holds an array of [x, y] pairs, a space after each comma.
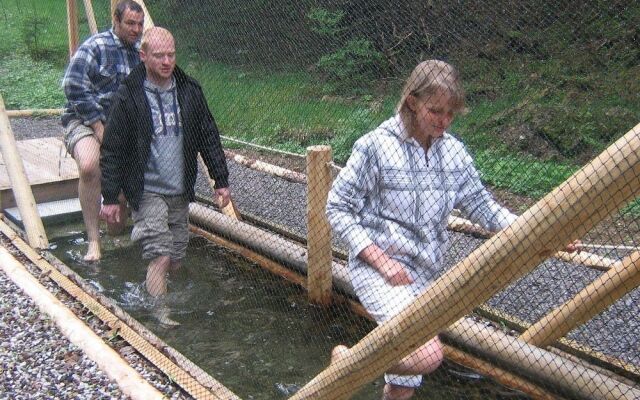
{"points": [[592, 300], [498, 374], [594, 192], [318, 228], [20, 185], [191, 378], [43, 193], [287, 174], [34, 112], [72, 27], [583, 258], [91, 18], [262, 241], [564, 375]]}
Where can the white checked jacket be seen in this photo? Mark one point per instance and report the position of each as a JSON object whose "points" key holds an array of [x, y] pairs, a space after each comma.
{"points": [[395, 195]]}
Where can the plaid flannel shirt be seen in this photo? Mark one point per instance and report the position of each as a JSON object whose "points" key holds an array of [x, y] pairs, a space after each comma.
{"points": [[93, 76]]}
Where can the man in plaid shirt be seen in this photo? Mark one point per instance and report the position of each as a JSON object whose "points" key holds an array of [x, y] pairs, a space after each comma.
{"points": [[92, 77]]}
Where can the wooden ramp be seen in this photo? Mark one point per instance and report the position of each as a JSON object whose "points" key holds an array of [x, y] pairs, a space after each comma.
{"points": [[52, 173]]}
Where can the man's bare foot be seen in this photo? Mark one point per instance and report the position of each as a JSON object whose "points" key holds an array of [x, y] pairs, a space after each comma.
{"points": [[338, 353], [93, 252], [162, 315]]}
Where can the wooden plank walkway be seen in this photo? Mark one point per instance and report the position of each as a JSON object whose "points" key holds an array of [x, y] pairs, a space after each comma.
{"points": [[52, 173]]}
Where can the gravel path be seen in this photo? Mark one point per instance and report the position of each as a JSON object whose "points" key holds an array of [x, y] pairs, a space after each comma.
{"points": [[38, 362], [57, 369]]}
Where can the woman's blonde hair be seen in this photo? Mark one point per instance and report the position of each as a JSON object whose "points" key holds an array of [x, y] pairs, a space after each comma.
{"points": [[430, 78]]}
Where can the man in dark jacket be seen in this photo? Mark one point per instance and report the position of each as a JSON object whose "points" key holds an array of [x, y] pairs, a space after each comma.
{"points": [[158, 124]]}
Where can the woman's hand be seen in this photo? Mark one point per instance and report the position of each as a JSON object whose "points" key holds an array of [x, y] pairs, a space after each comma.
{"points": [[395, 273], [392, 271], [576, 245]]}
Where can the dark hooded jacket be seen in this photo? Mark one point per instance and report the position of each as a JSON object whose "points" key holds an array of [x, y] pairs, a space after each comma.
{"points": [[128, 134]]}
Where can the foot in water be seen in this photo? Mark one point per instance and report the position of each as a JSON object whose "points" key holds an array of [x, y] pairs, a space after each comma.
{"points": [[93, 252], [162, 315]]}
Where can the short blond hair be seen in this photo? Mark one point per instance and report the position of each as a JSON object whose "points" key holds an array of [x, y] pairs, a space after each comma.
{"points": [[430, 78], [151, 33]]}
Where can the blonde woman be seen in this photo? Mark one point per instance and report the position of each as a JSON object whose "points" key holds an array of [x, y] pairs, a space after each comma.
{"points": [[391, 202]]}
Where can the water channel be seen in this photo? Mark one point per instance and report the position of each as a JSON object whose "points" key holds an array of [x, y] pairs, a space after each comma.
{"points": [[252, 331]]}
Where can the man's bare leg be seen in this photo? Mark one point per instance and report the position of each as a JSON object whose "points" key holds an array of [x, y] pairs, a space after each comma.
{"points": [[157, 276], [87, 156], [157, 286]]}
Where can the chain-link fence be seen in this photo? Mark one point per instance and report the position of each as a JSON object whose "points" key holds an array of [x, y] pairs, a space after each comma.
{"points": [[425, 170]]}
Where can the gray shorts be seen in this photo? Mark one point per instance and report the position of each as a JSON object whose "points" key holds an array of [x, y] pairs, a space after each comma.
{"points": [[161, 226], [73, 132]]}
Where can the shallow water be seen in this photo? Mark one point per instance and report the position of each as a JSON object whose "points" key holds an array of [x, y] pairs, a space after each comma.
{"points": [[250, 330]]}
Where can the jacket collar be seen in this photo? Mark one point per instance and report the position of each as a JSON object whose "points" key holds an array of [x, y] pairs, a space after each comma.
{"points": [[395, 126]]}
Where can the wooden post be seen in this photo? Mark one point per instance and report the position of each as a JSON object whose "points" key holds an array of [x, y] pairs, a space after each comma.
{"points": [[91, 18], [114, 3], [596, 191], [318, 230], [20, 185], [593, 299], [72, 26]]}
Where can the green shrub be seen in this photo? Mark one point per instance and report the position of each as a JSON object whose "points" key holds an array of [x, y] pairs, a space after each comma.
{"points": [[355, 65], [326, 22]]}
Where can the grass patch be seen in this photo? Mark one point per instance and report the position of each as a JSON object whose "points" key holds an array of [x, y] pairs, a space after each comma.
{"points": [[521, 175], [25, 83], [283, 109]]}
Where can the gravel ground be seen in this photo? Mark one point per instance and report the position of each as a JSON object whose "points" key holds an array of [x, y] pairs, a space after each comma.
{"points": [[57, 369], [38, 362]]}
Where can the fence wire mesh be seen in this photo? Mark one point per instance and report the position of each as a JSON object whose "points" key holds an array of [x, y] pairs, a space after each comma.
{"points": [[407, 184]]}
